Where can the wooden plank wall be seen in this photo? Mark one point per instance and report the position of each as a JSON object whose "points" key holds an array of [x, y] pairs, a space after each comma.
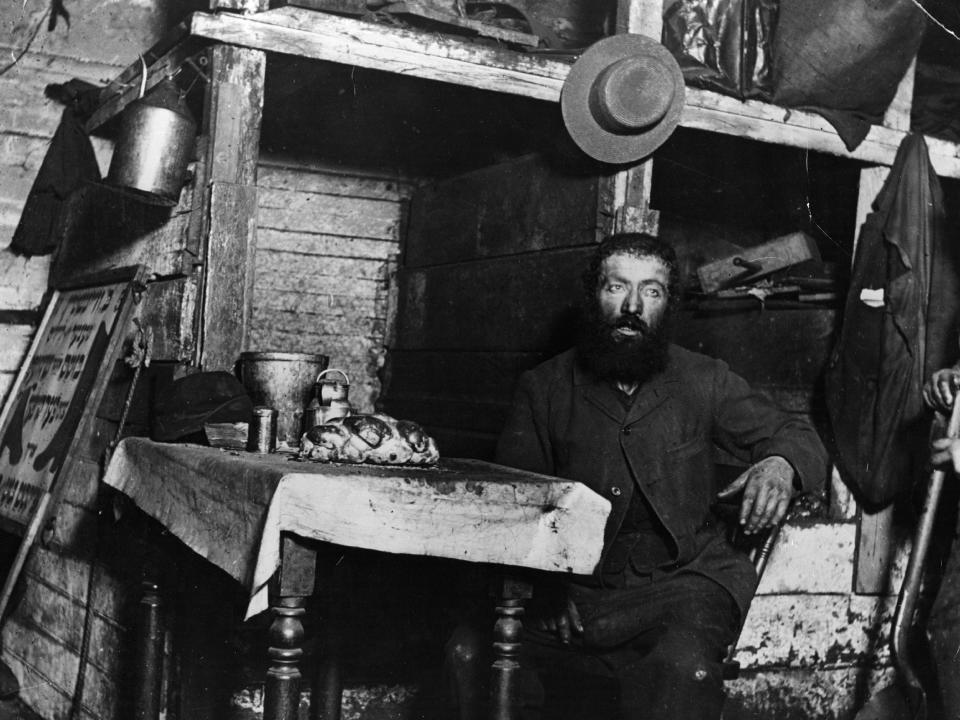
{"points": [[489, 285], [327, 243], [42, 647], [101, 39]]}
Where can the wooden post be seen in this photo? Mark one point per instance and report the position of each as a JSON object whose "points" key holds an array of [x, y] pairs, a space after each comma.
{"points": [[875, 546], [625, 195], [228, 175]]}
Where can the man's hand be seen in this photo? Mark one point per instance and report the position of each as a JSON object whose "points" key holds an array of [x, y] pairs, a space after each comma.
{"points": [[767, 489], [941, 389], [564, 621]]}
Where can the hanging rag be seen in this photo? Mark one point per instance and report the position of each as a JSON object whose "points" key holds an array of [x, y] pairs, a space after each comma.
{"points": [[844, 60], [69, 162], [893, 336]]}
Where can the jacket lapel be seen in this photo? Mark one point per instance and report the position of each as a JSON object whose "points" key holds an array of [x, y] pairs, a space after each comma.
{"points": [[598, 393], [652, 395], [603, 395]]}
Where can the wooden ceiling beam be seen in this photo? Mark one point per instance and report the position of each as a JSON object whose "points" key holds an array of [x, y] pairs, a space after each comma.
{"points": [[322, 36]]}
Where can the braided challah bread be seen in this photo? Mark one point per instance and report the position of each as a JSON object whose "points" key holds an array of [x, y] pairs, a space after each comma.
{"points": [[376, 438]]}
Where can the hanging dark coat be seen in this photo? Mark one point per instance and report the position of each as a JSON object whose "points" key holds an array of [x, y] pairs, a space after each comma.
{"points": [[892, 336]]}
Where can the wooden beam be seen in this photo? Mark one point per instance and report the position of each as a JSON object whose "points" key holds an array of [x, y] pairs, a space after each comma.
{"points": [[641, 16], [231, 126], [630, 191], [875, 529], [322, 36], [769, 123], [303, 33]]}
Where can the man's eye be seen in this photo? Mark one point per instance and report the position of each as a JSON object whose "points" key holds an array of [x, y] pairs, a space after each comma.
{"points": [[652, 292], [614, 287]]}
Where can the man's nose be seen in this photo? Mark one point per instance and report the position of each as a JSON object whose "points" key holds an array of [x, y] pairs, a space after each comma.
{"points": [[632, 303]]}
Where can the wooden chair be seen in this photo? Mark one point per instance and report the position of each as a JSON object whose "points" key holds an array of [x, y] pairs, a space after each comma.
{"points": [[758, 549]]}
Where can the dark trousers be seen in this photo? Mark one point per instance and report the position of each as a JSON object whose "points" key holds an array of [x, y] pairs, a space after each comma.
{"points": [[651, 650]]}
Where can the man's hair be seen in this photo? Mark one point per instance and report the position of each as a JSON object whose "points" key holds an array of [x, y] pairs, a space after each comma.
{"points": [[638, 245]]}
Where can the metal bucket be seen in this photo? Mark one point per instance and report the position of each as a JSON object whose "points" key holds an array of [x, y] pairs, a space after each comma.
{"points": [[155, 144], [283, 381]]}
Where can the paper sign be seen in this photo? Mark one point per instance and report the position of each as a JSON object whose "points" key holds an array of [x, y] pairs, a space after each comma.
{"points": [[41, 418]]}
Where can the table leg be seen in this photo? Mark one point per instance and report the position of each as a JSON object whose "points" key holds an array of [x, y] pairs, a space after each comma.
{"points": [[149, 654], [292, 585], [327, 695], [507, 634], [282, 691]]}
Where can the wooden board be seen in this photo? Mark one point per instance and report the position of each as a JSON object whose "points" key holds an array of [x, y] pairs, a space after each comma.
{"points": [[751, 264], [233, 105], [228, 279], [103, 229], [521, 303], [520, 206]]}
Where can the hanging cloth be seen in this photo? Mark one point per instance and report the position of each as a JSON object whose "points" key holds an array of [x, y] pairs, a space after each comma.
{"points": [[878, 366], [69, 162]]}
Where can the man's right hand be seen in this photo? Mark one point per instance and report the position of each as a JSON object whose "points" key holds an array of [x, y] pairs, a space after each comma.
{"points": [[941, 389], [563, 622]]}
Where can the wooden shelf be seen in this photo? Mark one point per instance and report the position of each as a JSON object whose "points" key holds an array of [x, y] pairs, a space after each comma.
{"points": [[322, 36]]}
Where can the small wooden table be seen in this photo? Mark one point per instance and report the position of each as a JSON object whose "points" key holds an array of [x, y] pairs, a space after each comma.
{"points": [[258, 516]]}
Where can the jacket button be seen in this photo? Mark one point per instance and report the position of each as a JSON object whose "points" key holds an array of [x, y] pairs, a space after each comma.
{"points": [[626, 431], [615, 491]]}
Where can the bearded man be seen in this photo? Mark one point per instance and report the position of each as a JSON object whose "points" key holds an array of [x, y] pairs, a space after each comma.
{"points": [[636, 419]]}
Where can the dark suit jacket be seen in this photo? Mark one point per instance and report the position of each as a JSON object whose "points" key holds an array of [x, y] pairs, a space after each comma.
{"points": [[568, 423]]}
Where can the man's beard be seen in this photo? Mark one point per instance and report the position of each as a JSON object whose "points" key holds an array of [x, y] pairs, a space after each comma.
{"points": [[627, 359]]}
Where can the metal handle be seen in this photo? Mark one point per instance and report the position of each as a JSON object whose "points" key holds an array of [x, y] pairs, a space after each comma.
{"points": [[334, 370], [749, 265], [143, 76], [909, 591]]}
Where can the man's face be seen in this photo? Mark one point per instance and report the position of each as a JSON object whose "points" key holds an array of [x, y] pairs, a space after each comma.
{"points": [[632, 295]]}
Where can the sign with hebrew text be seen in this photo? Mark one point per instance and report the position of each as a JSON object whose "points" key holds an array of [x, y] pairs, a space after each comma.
{"points": [[49, 398]]}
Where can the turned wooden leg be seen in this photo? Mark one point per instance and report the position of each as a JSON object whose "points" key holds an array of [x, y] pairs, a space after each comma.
{"points": [[282, 691], [292, 585], [507, 633], [149, 654]]}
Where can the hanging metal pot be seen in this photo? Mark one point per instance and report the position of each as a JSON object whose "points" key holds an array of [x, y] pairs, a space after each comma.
{"points": [[155, 144]]}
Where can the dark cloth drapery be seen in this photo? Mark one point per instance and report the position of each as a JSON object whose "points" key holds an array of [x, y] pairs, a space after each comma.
{"points": [[899, 314], [69, 163]]}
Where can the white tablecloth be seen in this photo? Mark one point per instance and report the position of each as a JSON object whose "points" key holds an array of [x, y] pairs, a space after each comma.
{"points": [[231, 507]]}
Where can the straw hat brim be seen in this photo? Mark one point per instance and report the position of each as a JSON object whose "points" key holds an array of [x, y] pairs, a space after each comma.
{"points": [[597, 141]]}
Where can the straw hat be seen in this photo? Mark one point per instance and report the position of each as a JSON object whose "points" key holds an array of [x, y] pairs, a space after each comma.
{"points": [[623, 98]]}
